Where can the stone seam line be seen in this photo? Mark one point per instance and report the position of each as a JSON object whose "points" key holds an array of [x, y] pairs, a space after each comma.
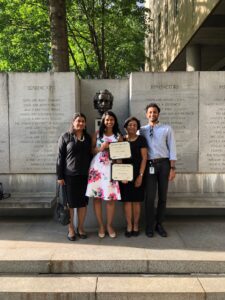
{"points": [[205, 294], [96, 288]]}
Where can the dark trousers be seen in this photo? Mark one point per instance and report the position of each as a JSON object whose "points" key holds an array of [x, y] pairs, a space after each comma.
{"points": [[159, 181]]}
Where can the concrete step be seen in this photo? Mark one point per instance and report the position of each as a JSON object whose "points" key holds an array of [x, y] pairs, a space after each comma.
{"points": [[111, 287], [93, 260]]}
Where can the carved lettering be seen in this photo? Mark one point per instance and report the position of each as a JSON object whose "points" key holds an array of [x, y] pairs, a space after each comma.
{"points": [[41, 112]]}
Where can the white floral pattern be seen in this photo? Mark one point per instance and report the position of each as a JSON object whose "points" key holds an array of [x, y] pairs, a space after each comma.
{"points": [[100, 184]]}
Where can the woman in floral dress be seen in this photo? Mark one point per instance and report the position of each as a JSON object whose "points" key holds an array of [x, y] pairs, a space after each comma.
{"points": [[100, 186]]}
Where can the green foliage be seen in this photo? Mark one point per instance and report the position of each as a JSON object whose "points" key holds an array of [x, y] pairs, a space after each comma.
{"points": [[106, 38], [120, 44], [24, 36]]}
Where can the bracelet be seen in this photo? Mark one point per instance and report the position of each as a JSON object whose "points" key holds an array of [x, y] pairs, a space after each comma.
{"points": [[173, 168], [141, 174]]}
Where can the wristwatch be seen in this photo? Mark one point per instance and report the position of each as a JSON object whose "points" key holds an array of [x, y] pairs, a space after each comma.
{"points": [[173, 168]]}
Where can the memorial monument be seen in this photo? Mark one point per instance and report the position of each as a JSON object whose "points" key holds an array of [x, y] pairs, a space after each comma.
{"points": [[37, 107]]}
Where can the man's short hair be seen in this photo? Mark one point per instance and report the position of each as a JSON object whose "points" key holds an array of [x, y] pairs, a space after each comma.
{"points": [[152, 105]]}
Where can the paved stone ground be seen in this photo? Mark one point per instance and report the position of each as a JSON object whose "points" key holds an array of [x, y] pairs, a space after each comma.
{"points": [[38, 262], [194, 245]]}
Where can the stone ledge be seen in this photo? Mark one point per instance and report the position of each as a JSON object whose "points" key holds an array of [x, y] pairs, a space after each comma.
{"points": [[186, 200], [28, 201], [175, 200]]}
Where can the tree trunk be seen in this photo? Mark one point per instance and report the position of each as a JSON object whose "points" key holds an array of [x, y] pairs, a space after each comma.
{"points": [[59, 37]]}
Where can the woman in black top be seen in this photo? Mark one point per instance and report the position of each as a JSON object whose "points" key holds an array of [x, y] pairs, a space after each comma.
{"points": [[74, 155], [133, 192]]}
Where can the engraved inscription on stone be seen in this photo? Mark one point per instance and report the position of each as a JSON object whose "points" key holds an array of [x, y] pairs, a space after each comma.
{"points": [[177, 96], [41, 107], [212, 122], [4, 139]]}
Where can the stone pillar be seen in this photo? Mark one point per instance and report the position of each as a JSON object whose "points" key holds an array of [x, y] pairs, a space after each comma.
{"points": [[193, 58]]}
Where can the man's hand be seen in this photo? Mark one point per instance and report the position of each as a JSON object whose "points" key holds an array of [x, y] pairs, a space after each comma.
{"points": [[172, 174]]}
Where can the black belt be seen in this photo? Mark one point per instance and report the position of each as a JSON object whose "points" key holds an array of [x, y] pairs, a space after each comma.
{"points": [[156, 160]]}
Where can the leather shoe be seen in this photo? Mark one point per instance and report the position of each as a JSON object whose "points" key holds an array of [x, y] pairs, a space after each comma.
{"points": [[71, 238], [82, 235], [149, 233], [112, 235], [128, 234], [101, 235], [161, 231], [135, 232]]}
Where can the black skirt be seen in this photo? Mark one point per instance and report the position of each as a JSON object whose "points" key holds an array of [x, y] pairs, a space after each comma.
{"points": [[76, 188], [129, 193]]}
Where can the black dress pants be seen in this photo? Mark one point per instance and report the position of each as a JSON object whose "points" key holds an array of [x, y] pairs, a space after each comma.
{"points": [[154, 182]]}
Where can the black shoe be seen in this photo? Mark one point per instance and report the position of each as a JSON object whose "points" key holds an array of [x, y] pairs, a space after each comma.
{"points": [[128, 234], [161, 231], [135, 232], [71, 238], [149, 233], [82, 235]]}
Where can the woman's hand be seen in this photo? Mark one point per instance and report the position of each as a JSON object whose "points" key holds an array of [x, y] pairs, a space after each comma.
{"points": [[119, 161], [138, 181], [104, 146], [124, 181], [61, 182]]}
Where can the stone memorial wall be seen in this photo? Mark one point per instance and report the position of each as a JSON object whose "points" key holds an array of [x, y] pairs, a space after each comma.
{"points": [[177, 96], [212, 122], [4, 125], [41, 107]]}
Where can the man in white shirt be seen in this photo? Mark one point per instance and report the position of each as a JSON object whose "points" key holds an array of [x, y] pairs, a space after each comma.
{"points": [[160, 168]]}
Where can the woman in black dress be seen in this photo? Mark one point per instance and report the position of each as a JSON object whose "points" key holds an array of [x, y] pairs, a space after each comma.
{"points": [[133, 192], [74, 155]]}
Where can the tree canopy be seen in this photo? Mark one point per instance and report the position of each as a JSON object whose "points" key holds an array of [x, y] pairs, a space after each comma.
{"points": [[106, 38]]}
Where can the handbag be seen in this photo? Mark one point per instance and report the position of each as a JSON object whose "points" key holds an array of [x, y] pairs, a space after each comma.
{"points": [[62, 208], [2, 194]]}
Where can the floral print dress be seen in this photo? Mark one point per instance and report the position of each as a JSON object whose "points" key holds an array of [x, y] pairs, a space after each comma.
{"points": [[100, 184]]}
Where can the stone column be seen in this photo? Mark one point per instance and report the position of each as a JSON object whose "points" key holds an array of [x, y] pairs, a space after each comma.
{"points": [[193, 58]]}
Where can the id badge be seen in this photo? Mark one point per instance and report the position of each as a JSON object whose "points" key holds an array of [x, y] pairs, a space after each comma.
{"points": [[151, 170]]}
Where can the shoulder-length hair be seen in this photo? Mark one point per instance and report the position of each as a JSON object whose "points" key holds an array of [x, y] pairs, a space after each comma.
{"points": [[127, 121], [75, 116], [102, 126]]}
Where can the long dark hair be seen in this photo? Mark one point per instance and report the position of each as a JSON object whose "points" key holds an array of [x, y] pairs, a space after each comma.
{"points": [[102, 126], [75, 116]]}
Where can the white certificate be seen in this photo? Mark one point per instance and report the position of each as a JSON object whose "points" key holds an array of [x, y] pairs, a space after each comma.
{"points": [[119, 150], [122, 172]]}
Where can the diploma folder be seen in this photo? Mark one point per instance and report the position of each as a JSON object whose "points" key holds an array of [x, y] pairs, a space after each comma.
{"points": [[119, 150], [122, 172]]}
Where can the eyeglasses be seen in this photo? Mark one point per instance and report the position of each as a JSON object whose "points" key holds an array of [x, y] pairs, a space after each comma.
{"points": [[151, 131]]}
